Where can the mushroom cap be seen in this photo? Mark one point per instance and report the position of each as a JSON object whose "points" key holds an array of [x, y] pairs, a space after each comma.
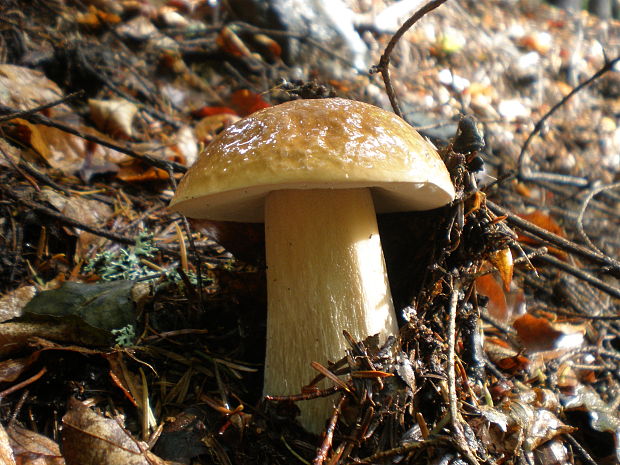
{"points": [[313, 144]]}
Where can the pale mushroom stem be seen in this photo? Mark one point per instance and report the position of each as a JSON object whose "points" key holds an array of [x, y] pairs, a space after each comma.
{"points": [[325, 274]]}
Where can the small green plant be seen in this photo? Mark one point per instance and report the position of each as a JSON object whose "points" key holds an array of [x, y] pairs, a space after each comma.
{"points": [[125, 336], [125, 264], [129, 264]]}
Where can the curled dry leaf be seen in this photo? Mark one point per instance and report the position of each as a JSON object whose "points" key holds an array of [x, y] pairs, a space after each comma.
{"points": [[502, 260], [114, 117], [90, 439], [33, 448]]}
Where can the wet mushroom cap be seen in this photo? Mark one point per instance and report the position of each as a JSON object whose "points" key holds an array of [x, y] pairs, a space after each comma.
{"points": [[313, 144]]}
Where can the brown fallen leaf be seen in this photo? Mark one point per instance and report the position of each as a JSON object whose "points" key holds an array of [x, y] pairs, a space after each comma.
{"points": [[33, 448], [114, 117], [6, 452], [90, 439]]}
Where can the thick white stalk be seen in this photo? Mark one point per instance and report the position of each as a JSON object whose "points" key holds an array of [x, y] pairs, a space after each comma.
{"points": [[325, 274]]}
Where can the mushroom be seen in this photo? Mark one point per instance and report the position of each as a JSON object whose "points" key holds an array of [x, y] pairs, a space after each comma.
{"points": [[316, 172]]}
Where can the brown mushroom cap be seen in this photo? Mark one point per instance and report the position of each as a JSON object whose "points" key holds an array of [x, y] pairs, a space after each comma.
{"points": [[314, 144]]}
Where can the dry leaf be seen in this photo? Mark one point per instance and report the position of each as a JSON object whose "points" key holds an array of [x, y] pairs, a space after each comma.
{"points": [[539, 334], [88, 211], [25, 88], [114, 117], [544, 221], [231, 43], [497, 307], [247, 102], [12, 303], [90, 439], [33, 448], [208, 127], [502, 260], [6, 452]]}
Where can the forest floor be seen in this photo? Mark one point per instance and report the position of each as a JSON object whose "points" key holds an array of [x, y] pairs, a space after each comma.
{"points": [[130, 335]]}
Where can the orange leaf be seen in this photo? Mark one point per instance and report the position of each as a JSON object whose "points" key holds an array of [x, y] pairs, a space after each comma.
{"points": [[536, 333], [268, 43], [544, 221], [231, 43], [487, 285], [502, 260], [247, 102], [136, 171], [210, 111]]}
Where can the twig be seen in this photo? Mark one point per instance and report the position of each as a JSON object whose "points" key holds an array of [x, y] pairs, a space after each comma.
{"points": [[24, 113], [582, 211], [40, 119], [384, 61], [578, 273], [608, 66], [402, 450], [584, 454], [554, 239], [70, 221], [457, 429], [329, 434], [26, 382]]}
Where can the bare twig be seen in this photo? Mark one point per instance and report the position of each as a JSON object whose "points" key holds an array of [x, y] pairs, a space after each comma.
{"points": [[578, 273], [321, 454], [457, 428], [402, 450], [24, 113], [582, 211], [565, 244], [608, 66], [35, 206], [384, 61], [40, 119]]}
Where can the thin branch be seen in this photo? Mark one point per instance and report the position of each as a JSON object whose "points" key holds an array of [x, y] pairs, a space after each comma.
{"points": [[35, 206], [457, 428], [582, 212], [565, 244], [384, 62], [578, 273], [24, 113], [608, 66], [40, 119], [329, 434]]}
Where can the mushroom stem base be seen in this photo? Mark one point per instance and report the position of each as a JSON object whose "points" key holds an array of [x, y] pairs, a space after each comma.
{"points": [[325, 274]]}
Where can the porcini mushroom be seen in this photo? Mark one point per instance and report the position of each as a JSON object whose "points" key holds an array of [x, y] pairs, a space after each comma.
{"points": [[316, 172]]}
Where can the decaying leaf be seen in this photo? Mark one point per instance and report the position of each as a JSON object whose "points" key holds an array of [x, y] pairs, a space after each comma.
{"points": [[538, 333], [603, 417], [6, 452], [98, 308], [87, 211], [114, 117], [544, 221], [90, 439], [24, 88], [30, 447], [519, 423], [13, 302]]}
